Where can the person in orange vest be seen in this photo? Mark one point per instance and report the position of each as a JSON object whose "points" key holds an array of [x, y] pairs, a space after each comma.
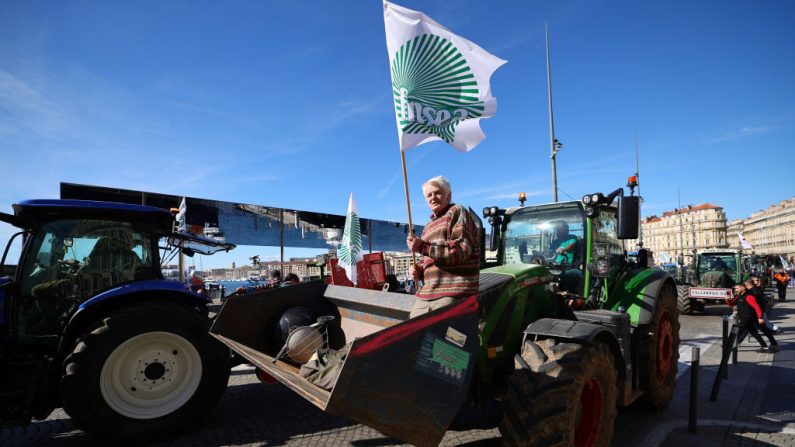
{"points": [[781, 278]]}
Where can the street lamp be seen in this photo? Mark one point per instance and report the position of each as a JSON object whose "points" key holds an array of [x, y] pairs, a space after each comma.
{"points": [[556, 147], [554, 144]]}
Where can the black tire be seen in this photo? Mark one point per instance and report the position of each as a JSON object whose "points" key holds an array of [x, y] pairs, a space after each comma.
{"points": [[684, 304], [560, 394], [185, 372], [658, 352]]}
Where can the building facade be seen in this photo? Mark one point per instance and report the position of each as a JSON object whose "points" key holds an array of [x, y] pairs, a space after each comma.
{"points": [[770, 231], [397, 263], [685, 231]]}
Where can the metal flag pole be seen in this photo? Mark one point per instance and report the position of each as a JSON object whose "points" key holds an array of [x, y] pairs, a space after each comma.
{"points": [[551, 126], [408, 202]]}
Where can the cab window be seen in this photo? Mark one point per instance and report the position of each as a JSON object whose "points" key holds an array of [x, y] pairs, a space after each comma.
{"points": [[71, 261]]}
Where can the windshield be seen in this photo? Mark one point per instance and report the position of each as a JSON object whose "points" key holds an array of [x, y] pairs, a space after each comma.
{"points": [[70, 261], [544, 235], [722, 262]]}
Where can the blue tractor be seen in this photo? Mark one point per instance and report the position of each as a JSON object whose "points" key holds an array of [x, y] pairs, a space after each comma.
{"points": [[88, 322]]}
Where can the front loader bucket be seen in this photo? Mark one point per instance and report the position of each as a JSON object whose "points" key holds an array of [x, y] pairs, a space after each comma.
{"points": [[405, 378]]}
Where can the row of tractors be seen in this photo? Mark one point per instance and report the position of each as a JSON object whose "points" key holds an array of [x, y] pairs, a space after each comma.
{"points": [[89, 324]]}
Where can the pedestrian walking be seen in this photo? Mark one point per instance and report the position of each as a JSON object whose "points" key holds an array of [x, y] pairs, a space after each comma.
{"points": [[755, 287], [750, 320], [781, 279]]}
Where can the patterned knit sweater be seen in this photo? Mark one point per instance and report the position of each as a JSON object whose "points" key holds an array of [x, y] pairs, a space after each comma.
{"points": [[451, 255]]}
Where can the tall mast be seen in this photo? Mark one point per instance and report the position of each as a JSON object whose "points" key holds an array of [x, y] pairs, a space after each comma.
{"points": [[552, 140]]}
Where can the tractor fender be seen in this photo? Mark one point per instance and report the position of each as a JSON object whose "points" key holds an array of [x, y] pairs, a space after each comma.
{"points": [[636, 293], [130, 294], [579, 332]]}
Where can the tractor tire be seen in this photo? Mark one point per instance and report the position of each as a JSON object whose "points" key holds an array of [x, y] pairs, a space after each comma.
{"points": [[560, 394], [143, 372], [658, 352], [684, 304]]}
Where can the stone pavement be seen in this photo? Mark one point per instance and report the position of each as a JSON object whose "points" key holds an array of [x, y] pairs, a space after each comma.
{"points": [[754, 407]]}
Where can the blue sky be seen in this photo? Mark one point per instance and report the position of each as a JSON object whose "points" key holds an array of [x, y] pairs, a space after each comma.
{"points": [[287, 103]]}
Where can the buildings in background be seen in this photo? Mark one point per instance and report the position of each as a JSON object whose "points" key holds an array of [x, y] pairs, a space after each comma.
{"points": [[684, 231], [769, 231]]}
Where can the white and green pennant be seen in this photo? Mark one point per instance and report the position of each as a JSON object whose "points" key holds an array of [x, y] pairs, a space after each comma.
{"points": [[440, 81], [350, 249]]}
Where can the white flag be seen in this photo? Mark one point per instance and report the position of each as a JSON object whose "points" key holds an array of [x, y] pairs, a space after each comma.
{"points": [[182, 224], [744, 242], [440, 81], [350, 250]]}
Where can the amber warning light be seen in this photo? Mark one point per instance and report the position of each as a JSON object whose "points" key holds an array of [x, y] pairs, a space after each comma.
{"points": [[632, 181]]}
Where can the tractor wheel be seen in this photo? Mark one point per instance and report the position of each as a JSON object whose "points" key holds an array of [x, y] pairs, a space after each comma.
{"points": [[659, 352], [560, 394], [684, 304], [144, 371]]}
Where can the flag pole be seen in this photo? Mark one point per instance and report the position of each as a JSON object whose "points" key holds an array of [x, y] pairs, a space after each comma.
{"points": [[408, 202]]}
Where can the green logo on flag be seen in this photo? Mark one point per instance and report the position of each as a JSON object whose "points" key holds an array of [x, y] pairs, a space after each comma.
{"points": [[433, 87], [351, 245]]}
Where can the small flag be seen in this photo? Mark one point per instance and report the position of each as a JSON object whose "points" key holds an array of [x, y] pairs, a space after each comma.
{"points": [[784, 263], [181, 221], [440, 81], [350, 250], [744, 242]]}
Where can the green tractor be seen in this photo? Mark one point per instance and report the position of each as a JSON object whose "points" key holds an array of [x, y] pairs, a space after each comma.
{"points": [[558, 373], [713, 273]]}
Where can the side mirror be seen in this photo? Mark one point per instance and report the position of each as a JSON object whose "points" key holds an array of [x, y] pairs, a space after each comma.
{"points": [[628, 217], [494, 243]]}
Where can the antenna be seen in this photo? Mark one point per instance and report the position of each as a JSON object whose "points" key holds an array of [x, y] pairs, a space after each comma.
{"points": [[681, 225], [640, 198]]}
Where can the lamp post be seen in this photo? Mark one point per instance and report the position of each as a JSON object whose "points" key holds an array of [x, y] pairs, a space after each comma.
{"points": [[554, 145]]}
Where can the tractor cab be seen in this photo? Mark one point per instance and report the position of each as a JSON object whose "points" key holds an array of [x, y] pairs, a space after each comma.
{"points": [[72, 251], [549, 235], [75, 250], [718, 268]]}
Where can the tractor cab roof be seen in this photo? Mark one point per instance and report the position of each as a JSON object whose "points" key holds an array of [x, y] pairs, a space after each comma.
{"points": [[30, 214], [546, 206]]}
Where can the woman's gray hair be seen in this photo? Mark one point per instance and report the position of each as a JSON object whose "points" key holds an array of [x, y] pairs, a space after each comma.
{"points": [[440, 182]]}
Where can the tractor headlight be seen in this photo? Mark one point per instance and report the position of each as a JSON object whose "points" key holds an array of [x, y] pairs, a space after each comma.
{"points": [[591, 211], [597, 198]]}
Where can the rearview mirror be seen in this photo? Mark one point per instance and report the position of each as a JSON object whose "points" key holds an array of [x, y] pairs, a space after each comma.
{"points": [[628, 217]]}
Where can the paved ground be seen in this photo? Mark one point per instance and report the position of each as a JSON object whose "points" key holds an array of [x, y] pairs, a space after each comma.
{"points": [[755, 407]]}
